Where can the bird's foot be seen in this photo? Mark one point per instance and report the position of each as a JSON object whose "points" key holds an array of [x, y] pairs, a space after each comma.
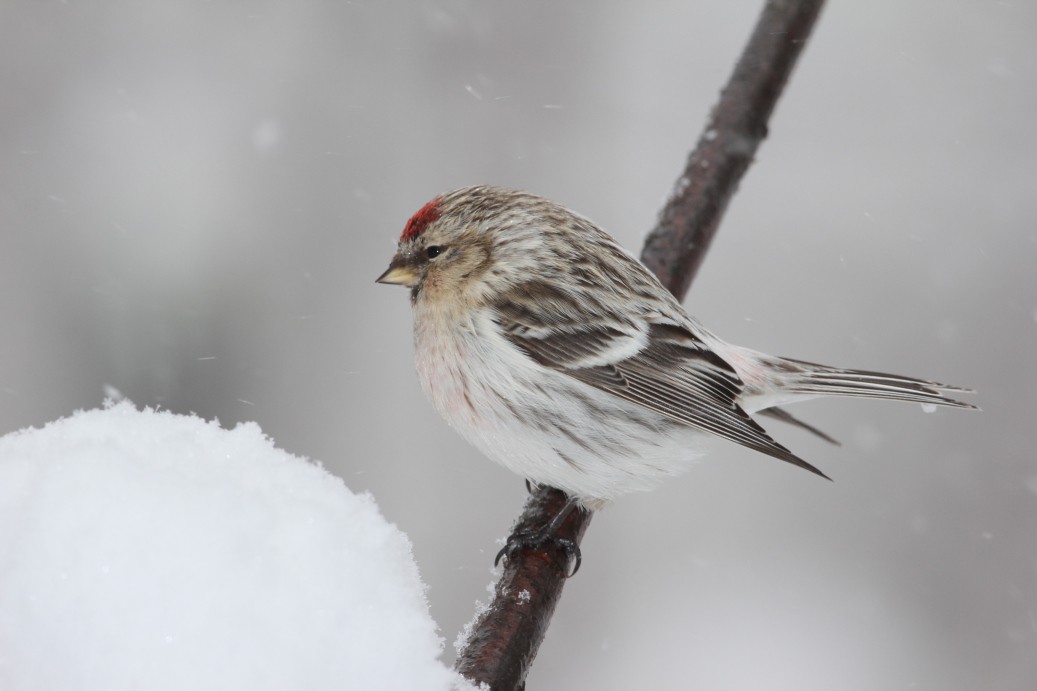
{"points": [[538, 540], [547, 535]]}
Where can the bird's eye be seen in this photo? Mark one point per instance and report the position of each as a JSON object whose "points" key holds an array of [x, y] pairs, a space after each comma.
{"points": [[433, 251]]}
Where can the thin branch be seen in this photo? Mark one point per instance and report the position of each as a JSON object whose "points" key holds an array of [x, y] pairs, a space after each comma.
{"points": [[506, 637], [675, 248]]}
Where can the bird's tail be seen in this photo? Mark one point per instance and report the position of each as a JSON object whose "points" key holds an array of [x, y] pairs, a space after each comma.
{"points": [[807, 379]]}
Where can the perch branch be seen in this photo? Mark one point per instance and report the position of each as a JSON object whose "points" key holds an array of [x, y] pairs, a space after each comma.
{"points": [[505, 638]]}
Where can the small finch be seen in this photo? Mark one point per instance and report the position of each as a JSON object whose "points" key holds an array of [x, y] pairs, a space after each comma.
{"points": [[560, 356]]}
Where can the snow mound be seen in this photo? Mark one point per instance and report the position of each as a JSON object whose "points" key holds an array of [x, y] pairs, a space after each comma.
{"points": [[147, 550]]}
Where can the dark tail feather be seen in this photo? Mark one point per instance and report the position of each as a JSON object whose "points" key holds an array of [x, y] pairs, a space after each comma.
{"points": [[811, 378], [787, 417]]}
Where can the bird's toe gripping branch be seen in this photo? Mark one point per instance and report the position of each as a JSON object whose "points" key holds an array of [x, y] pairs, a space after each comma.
{"points": [[544, 537]]}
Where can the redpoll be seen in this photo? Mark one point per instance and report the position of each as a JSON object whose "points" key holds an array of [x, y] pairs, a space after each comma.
{"points": [[560, 356]]}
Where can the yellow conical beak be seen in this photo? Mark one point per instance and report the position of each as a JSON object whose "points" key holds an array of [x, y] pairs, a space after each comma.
{"points": [[399, 274]]}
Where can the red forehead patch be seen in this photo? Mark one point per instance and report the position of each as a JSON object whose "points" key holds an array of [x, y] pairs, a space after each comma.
{"points": [[421, 220]]}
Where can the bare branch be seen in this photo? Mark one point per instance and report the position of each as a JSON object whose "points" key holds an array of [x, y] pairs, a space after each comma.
{"points": [[506, 637], [675, 248]]}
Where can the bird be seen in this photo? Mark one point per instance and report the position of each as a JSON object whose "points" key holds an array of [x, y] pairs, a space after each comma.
{"points": [[559, 355]]}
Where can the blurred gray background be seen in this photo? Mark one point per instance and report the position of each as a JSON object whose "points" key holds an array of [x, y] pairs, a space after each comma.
{"points": [[196, 197]]}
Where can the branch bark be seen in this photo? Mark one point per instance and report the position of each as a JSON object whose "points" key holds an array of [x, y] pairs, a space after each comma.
{"points": [[675, 248], [505, 638]]}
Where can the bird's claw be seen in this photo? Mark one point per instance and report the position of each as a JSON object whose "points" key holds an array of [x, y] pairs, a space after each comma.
{"points": [[537, 540]]}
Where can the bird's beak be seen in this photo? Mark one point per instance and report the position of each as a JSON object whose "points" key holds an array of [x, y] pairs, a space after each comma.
{"points": [[400, 274]]}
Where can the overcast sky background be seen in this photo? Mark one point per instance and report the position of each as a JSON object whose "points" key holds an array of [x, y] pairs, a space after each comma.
{"points": [[196, 197]]}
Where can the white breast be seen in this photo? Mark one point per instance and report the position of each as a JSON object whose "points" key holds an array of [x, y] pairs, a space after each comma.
{"points": [[541, 424]]}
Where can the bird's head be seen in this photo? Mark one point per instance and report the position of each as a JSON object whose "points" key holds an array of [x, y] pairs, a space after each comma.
{"points": [[469, 244]]}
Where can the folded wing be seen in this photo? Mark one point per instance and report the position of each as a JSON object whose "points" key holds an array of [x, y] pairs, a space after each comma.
{"points": [[647, 359]]}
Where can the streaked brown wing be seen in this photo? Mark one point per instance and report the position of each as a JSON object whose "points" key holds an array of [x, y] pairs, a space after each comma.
{"points": [[673, 373]]}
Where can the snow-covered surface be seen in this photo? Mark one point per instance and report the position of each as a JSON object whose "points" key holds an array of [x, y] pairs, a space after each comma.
{"points": [[147, 550]]}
